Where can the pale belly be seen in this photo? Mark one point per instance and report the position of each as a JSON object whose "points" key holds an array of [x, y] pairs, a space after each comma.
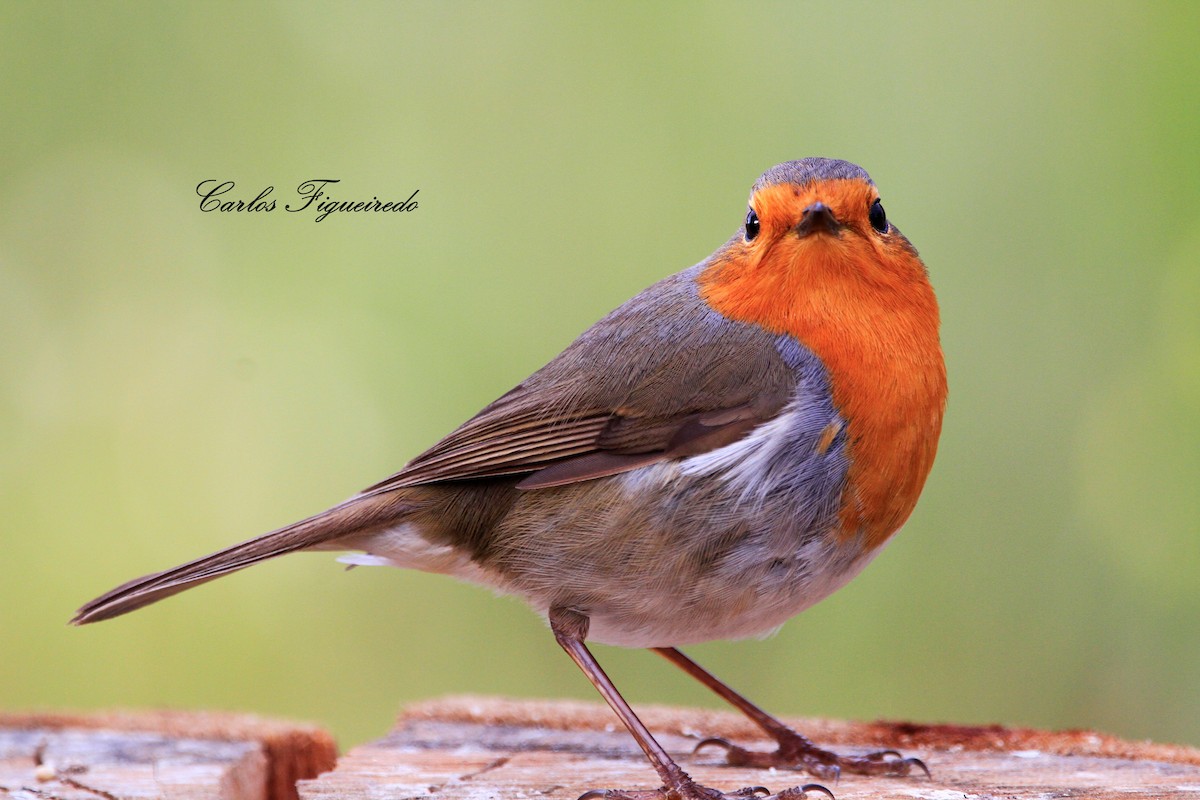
{"points": [[661, 556]]}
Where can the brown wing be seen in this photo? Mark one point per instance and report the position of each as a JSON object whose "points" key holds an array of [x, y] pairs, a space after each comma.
{"points": [[661, 377]]}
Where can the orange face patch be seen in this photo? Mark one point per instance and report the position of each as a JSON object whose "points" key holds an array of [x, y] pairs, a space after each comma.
{"points": [[762, 280], [861, 301]]}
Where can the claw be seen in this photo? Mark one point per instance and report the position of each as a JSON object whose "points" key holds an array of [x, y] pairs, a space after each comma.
{"points": [[800, 792], [693, 791], [899, 764], [882, 754], [636, 794], [797, 752], [714, 740]]}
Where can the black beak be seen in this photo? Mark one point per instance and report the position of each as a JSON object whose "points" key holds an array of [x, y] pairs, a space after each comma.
{"points": [[818, 218]]}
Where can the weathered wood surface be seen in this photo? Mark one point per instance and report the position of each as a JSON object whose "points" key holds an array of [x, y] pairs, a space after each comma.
{"points": [[173, 755], [467, 748]]}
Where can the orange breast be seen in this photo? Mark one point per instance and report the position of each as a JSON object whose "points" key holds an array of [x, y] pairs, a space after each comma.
{"points": [[864, 306]]}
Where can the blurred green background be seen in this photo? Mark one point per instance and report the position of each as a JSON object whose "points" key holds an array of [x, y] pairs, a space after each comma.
{"points": [[172, 381]]}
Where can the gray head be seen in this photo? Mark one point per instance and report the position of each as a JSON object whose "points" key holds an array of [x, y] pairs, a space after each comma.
{"points": [[807, 170]]}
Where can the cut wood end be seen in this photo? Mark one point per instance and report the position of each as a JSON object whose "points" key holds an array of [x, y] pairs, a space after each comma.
{"points": [[292, 751]]}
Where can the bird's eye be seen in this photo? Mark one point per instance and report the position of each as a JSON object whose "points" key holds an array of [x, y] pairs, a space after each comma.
{"points": [[878, 217], [751, 225]]}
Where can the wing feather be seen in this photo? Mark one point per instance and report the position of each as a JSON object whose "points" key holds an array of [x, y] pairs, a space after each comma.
{"points": [[663, 376]]}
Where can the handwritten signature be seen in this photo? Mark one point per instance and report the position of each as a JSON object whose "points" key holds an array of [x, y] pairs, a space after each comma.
{"points": [[216, 196]]}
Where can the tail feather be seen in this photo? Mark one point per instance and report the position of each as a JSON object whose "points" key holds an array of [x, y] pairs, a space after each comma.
{"points": [[357, 514]]}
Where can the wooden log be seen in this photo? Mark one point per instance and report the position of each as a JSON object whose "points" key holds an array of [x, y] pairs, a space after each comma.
{"points": [[468, 748], [165, 754]]}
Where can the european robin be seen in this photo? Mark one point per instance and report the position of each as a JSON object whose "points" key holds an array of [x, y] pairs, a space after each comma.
{"points": [[714, 456]]}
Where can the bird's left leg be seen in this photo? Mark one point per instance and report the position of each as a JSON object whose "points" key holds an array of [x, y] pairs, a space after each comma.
{"points": [[794, 751], [570, 629]]}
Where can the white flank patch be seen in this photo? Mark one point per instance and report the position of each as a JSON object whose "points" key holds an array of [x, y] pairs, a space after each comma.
{"points": [[365, 560], [745, 460]]}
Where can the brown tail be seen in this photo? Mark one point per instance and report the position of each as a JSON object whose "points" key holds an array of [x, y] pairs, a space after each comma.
{"points": [[356, 514]]}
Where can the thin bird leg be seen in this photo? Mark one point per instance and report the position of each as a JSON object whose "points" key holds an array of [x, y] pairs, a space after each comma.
{"points": [[794, 751], [570, 629]]}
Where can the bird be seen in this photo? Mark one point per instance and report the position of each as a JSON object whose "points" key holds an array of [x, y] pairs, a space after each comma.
{"points": [[717, 454]]}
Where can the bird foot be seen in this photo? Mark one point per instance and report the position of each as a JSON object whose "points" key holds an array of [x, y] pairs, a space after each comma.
{"points": [[690, 790], [797, 752]]}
